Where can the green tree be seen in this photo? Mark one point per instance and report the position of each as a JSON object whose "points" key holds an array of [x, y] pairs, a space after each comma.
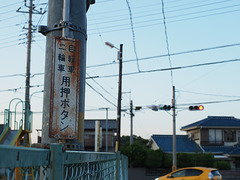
{"points": [[136, 154], [185, 160], [125, 140], [154, 158]]}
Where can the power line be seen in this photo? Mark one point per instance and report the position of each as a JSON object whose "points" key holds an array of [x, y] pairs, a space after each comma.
{"points": [[133, 33], [157, 9], [172, 54], [174, 68], [167, 42], [209, 102], [155, 70], [16, 89], [101, 87], [155, 24], [13, 75], [150, 13], [217, 95], [10, 4], [100, 94]]}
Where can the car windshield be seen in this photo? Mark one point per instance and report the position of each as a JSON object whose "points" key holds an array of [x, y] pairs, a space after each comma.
{"points": [[215, 173]]}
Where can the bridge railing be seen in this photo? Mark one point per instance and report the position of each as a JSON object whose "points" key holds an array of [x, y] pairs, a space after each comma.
{"points": [[57, 164]]}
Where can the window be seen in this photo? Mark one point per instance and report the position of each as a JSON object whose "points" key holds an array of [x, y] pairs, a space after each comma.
{"points": [[193, 172], [229, 135], [187, 172], [180, 173], [215, 136]]}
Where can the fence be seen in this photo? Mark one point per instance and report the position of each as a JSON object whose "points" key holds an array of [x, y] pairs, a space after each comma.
{"points": [[56, 164]]}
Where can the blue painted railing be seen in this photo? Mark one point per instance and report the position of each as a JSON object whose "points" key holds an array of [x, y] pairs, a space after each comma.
{"points": [[57, 164]]}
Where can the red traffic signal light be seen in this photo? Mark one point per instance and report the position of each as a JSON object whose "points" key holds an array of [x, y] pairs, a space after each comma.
{"points": [[196, 108]]}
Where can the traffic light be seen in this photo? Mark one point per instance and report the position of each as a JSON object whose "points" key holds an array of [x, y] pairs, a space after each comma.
{"points": [[137, 108], [196, 108], [165, 107]]}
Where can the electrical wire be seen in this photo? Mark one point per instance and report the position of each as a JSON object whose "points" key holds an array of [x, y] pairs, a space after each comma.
{"points": [[150, 13], [218, 95], [172, 54], [133, 34], [167, 42], [209, 102], [100, 94], [16, 89], [156, 24], [102, 87], [174, 68]]}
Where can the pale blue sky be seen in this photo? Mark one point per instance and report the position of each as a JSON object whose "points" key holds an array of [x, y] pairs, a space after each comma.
{"points": [[191, 25]]}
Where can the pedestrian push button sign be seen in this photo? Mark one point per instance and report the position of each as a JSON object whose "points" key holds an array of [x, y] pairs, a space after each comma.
{"points": [[64, 101]]}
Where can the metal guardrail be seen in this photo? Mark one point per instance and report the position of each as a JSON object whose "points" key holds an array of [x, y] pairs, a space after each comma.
{"points": [[56, 164]]}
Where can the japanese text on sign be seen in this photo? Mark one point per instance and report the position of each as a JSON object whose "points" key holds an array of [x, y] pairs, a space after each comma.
{"points": [[64, 110]]}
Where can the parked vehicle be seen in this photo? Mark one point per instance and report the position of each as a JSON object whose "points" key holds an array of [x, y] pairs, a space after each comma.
{"points": [[193, 173]]}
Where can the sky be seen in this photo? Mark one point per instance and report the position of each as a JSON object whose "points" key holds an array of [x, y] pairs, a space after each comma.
{"points": [[190, 44]]}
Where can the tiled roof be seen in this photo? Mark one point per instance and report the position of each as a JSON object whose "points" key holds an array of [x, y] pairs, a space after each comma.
{"points": [[183, 143], [90, 124], [235, 150], [216, 121]]}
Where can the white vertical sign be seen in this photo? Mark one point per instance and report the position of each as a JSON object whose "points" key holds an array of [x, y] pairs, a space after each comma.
{"points": [[64, 102]]}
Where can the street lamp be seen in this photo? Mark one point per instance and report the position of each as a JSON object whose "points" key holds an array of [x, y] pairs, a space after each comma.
{"points": [[120, 51]]}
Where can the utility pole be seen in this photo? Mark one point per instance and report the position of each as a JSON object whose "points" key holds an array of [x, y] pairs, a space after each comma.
{"points": [[131, 123], [31, 11], [29, 43], [65, 72], [174, 166], [119, 97]]}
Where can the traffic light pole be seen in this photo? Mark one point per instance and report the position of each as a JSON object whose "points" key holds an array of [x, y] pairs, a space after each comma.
{"points": [[174, 166]]}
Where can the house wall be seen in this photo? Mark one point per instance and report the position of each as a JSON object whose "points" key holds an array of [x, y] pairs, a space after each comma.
{"points": [[89, 140], [154, 146]]}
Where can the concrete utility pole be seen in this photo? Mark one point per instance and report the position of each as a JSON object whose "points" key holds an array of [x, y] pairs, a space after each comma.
{"points": [[29, 43], [174, 167], [119, 97], [66, 31], [119, 93], [31, 11]]}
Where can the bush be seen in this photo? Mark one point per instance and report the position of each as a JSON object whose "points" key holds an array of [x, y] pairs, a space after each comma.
{"points": [[222, 165], [204, 159], [185, 160], [136, 154], [167, 160], [154, 159]]}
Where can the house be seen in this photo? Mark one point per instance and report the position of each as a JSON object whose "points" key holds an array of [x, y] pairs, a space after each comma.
{"points": [[89, 134], [219, 135], [165, 142]]}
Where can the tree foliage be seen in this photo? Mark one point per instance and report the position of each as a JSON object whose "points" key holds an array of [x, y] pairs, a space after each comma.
{"points": [[140, 155]]}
